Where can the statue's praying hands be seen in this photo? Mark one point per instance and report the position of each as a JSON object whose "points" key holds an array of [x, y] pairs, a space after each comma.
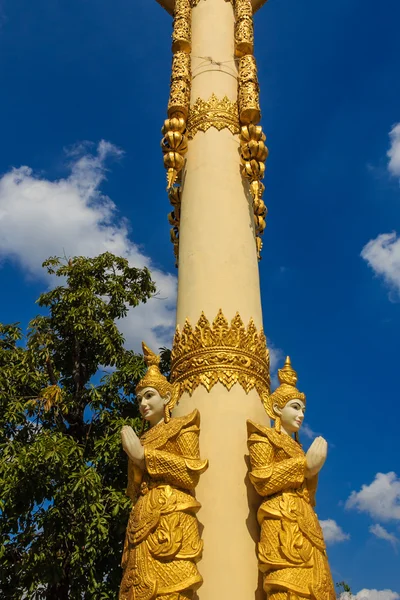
{"points": [[316, 456], [132, 446]]}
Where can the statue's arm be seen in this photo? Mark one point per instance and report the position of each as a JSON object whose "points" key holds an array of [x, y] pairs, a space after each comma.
{"points": [[183, 468], [267, 474]]}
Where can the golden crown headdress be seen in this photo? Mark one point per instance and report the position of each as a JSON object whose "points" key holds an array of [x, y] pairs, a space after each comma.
{"points": [[285, 391], [155, 379]]}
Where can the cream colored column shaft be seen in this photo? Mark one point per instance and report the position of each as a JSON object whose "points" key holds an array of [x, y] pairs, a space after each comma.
{"points": [[218, 269], [217, 253], [228, 522]]}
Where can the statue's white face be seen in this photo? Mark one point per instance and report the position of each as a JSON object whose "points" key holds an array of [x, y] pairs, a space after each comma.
{"points": [[292, 415], [151, 405]]}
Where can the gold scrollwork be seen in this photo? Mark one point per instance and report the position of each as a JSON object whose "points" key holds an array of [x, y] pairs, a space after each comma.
{"points": [[179, 97], [220, 351], [253, 151], [213, 113], [244, 29], [182, 31], [174, 142]]}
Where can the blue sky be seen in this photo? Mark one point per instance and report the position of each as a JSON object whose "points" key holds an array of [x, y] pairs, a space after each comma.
{"points": [[78, 72]]}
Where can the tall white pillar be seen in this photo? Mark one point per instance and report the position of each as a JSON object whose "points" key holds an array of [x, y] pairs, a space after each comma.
{"points": [[218, 270]]}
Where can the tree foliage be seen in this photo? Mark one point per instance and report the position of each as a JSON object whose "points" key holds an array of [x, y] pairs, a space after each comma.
{"points": [[63, 508], [344, 590]]}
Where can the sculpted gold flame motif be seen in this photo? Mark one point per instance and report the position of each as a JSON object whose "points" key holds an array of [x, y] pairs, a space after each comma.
{"points": [[226, 352], [291, 551], [162, 543]]}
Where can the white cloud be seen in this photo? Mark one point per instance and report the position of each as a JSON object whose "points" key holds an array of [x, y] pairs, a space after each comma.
{"points": [[275, 358], [383, 256], [370, 595], [333, 533], [380, 499], [383, 252], [40, 218], [383, 534], [394, 150], [307, 431]]}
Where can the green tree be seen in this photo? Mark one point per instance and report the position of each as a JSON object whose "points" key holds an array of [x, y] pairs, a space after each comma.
{"points": [[342, 587], [63, 508]]}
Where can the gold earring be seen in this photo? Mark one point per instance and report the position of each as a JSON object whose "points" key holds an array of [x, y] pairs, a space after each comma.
{"points": [[167, 413], [278, 424]]}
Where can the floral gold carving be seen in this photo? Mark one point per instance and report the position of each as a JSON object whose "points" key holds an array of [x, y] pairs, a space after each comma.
{"points": [[213, 113], [253, 153], [221, 351], [182, 29], [174, 142], [244, 29], [249, 91], [179, 98]]}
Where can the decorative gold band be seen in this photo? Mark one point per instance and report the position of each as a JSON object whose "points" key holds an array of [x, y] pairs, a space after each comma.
{"points": [[213, 113], [226, 352]]}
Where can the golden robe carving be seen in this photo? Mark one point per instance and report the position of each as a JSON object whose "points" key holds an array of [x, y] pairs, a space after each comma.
{"points": [[291, 551], [162, 544]]}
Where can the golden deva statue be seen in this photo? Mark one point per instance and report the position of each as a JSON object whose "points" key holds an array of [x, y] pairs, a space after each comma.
{"points": [[291, 551], [162, 543]]}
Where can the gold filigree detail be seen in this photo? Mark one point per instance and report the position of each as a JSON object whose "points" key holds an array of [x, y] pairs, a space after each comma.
{"points": [[179, 96], [216, 113], [182, 29], [253, 154], [249, 91], [226, 352], [244, 29], [174, 142]]}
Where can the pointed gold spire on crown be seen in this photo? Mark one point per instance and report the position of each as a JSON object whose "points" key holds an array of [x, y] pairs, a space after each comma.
{"points": [[150, 358], [153, 377], [287, 374]]}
